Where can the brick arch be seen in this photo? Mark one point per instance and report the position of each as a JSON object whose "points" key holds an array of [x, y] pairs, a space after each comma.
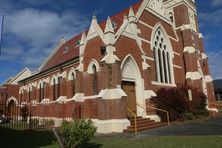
{"points": [[92, 63]]}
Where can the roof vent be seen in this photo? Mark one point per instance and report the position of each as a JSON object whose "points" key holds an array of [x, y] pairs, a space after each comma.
{"points": [[66, 49], [78, 43], [114, 25]]}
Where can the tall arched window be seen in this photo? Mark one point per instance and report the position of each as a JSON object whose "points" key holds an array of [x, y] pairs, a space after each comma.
{"points": [[162, 58], [54, 89], [43, 90], [73, 84], [29, 93], [94, 80], [59, 85], [40, 92]]}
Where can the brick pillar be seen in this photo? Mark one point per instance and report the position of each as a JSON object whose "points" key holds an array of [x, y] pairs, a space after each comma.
{"points": [[62, 87]]}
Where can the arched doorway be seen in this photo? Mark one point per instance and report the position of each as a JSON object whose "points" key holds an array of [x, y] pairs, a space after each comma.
{"points": [[132, 85], [12, 108]]}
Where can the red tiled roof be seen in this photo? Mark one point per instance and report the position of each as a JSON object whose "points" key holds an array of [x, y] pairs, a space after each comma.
{"points": [[61, 57]]}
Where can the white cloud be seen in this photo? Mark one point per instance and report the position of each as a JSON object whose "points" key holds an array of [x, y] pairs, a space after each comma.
{"points": [[37, 32], [216, 2], [214, 18], [215, 64]]}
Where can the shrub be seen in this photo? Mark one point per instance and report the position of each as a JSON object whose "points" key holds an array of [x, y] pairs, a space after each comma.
{"points": [[78, 133], [176, 102], [24, 112]]}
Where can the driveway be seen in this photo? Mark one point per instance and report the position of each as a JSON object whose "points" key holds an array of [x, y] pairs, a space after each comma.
{"points": [[211, 126]]}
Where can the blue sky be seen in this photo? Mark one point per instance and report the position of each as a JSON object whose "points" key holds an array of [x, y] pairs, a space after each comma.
{"points": [[32, 28]]}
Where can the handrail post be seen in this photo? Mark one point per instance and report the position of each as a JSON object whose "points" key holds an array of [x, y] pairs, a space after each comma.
{"points": [[168, 119], [135, 122]]}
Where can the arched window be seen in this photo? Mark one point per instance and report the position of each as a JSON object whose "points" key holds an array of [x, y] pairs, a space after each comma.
{"points": [[54, 89], [43, 90], [73, 84], [171, 17], [40, 92], [59, 85], [94, 80], [162, 58], [29, 93]]}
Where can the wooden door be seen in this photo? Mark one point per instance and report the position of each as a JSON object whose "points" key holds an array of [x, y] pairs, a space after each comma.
{"points": [[129, 89]]}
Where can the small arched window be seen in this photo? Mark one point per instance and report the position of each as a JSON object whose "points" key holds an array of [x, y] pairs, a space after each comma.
{"points": [[54, 89], [73, 84], [59, 86], [94, 80], [29, 93], [40, 92], [171, 17], [162, 58]]}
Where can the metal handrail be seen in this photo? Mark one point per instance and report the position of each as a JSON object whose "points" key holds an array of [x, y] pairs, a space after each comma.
{"points": [[216, 105], [135, 122], [167, 113]]}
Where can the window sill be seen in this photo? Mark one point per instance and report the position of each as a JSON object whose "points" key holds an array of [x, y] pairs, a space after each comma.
{"points": [[163, 84]]}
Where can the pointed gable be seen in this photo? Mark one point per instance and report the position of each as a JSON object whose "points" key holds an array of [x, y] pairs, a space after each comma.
{"points": [[59, 57], [66, 52]]}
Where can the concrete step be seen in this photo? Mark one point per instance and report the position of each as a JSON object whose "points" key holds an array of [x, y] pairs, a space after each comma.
{"points": [[147, 127]]}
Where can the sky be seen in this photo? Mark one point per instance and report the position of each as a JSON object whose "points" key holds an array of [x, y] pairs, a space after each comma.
{"points": [[33, 28]]}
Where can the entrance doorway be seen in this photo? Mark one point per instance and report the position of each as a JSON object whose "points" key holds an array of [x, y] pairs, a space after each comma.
{"points": [[129, 89]]}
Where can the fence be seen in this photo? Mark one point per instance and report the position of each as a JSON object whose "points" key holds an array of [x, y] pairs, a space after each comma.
{"points": [[37, 116]]}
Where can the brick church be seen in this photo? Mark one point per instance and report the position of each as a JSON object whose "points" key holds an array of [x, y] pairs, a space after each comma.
{"points": [[118, 65]]}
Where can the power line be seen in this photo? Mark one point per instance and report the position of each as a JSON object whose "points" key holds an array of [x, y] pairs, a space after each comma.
{"points": [[214, 53]]}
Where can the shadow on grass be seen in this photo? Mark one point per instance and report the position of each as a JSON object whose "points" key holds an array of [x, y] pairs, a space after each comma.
{"points": [[12, 138]]}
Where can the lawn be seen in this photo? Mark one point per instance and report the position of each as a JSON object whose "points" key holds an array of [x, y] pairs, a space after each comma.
{"points": [[11, 138], [160, 142]]}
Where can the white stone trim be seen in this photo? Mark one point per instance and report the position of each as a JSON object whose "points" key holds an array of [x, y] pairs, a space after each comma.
{"points": [[176, 66], [12, 98], [149, 94], [189, 49], [163, 84], [204, 56], [90, 66], [143, 23], [193, 75], [45, 101], [61, 99], [200, 35], [208, 78], [176, 53], [156, 118], [116, 93], [111, 126], [144, 40], [72, 71]]}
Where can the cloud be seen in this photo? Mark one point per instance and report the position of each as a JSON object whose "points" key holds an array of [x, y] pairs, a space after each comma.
{"points": [[216, 2], [31, 34], [215, 65], [213, 18]]}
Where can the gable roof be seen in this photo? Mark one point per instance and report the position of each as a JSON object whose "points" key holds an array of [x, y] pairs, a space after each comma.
{"points": [[58, 56], [20, 76]]}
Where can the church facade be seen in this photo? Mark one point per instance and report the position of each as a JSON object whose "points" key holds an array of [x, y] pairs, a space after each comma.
{"points": [[118, 65]]}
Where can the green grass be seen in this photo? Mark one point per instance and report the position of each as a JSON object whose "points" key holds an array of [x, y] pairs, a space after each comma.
{"points": [[11, 138], [160, 142]]}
